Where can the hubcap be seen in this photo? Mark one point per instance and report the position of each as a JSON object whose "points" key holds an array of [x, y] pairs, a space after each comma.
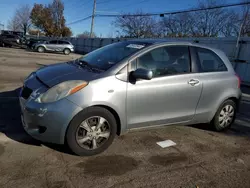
{"points": [[93, 132], [40, 49], [226, 116]]}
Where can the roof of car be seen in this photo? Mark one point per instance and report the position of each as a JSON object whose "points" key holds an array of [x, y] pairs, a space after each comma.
{"points": [[173, 42], [157, 41]]}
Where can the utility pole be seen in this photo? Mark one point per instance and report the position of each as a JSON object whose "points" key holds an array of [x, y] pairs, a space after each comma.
{"points": [[93, 19]]}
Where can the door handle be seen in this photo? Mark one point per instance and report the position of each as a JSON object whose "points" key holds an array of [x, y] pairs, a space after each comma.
{"points": [[193, 82]]}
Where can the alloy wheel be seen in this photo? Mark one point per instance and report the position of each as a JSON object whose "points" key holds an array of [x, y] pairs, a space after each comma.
{"points": [[93, 132], [226, 116]]}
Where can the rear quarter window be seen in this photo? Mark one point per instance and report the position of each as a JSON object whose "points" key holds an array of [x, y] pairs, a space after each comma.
{"points": [[209, 61]]}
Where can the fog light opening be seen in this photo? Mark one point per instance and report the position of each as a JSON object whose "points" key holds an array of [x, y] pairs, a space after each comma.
{"points": [[42, 129]]}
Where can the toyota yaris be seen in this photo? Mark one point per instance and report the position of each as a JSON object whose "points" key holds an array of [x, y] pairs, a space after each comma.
{"points": [[128, 85]]}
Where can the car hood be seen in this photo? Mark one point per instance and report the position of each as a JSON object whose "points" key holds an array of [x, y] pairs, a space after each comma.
{"points": [[54, 74]]}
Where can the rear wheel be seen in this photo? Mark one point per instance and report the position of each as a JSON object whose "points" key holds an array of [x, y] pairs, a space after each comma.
{"points": [[91, 132], [225, 116], [41, 49], [66, 51]]}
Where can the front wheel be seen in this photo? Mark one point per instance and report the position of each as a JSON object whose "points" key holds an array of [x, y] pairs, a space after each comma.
{"points": [[224, 116], [41, 49], [91, 131], [66, 51]]}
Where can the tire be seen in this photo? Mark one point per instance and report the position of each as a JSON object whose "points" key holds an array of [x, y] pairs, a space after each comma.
{"points": [[222, 122], [41, 49], [66, 51], [76, 133]]}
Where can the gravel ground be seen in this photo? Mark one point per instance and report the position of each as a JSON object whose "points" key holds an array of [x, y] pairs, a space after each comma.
{"points": [[201, 158]]}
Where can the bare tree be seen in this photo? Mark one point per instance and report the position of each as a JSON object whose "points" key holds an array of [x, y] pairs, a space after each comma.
{"points": [[13, 24], [179, 25], [23, 15], [245, 20], [231, 24], [21, 19], [209, 23], [136, 26], [205, 23]]}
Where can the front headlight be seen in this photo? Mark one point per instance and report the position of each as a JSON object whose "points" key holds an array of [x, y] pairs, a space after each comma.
{"points": [[61, 90]]}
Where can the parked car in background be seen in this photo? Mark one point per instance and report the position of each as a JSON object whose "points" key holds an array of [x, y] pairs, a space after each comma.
{"points": [[55, 46], [9, 40], [129, 85]]}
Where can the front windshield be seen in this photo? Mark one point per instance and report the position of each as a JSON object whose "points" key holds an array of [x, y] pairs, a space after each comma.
{"points": [[107, 56]]}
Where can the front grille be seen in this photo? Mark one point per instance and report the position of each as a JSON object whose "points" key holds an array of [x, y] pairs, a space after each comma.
{"points": [[26, 92]]}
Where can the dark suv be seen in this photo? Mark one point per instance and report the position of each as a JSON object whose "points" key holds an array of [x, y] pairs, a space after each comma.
{"points": [[9, 40]]}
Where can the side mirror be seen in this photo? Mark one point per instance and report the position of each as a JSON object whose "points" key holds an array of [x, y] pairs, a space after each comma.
{"points": [[143, 74]]}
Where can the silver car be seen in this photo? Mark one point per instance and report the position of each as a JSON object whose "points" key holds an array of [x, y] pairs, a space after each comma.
{"points": [[55, 46], [129, 85]]}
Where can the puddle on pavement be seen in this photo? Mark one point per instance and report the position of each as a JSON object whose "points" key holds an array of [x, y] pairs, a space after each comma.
{"points": [[108, 165], [150, 140], [1, 149], [165, 160]]}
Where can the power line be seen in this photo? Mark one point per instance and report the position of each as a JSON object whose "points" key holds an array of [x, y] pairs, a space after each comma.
{"points": [[163, 13], [80, 20], [175, 12]]}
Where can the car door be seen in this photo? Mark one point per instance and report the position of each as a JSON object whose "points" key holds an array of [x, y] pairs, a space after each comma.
{"points": [[52, 45], [216, 80], [171, 96], [61, 45]]}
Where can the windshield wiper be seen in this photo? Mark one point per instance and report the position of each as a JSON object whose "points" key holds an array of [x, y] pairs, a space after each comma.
{"points": [[83, 63]]}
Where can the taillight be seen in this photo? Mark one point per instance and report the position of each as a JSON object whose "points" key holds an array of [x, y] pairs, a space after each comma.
{"points": [[239, 81]]}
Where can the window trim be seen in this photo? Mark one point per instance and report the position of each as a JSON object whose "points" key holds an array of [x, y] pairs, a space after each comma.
{"points": [[198, 62], [135, 59]]}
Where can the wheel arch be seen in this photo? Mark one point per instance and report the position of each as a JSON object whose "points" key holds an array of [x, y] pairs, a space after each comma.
{"points": [[111, 110], [233, 98], [115, 114], [38, 46]]}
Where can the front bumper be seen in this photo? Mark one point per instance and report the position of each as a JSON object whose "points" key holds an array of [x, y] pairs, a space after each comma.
{"points": [[47, 122]]}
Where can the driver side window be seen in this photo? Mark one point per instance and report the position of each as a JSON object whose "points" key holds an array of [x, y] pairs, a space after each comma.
{"points": [[168, 60], [53, 42]]}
